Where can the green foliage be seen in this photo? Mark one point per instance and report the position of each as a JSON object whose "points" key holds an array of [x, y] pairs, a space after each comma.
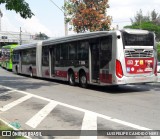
{"points": [[87, 15], [147, 26], [150, 22], [158, 51], [19, 6], [41, 36]]}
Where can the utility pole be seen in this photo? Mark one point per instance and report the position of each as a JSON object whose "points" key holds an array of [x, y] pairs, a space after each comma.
{"points": [[0, 18], [20, 37], [65, 24]]}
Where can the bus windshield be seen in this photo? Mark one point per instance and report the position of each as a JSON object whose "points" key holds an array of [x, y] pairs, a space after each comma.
{"points": [[138, 39]]}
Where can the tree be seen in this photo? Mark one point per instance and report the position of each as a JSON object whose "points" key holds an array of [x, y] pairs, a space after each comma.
{"points": [[150, 22], [155, 17], [19, 6], [158, 51], [87, 15], [41, 36]]}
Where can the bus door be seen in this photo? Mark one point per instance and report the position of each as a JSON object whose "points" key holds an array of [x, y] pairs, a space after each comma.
{"points": [[105, 59], [45, 61], [53, 60], [20, 62], [94, 47]]}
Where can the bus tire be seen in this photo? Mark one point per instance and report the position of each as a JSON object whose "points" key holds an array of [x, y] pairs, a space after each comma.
{"points": [[83, 80], [16, 70], [71, 78], [31, 72]]}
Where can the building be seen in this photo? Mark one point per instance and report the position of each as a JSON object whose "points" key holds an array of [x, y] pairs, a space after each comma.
{"points": [[8, 37]]}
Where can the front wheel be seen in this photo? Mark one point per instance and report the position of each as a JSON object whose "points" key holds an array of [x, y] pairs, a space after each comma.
{"points": [[83, 80]]}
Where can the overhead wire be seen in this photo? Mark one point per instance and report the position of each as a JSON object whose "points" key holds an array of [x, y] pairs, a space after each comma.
{"points": [[56, 5]]}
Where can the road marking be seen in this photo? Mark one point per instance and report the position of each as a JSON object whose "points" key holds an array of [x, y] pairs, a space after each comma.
{"points": [[86, 111], [89, 123], [6, 93], [16, 102], [36, 119]]}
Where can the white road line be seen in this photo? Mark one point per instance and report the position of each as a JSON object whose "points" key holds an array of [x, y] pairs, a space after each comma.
{"points": [[89, 123], [86, 111], [16, 102], [36, 119], [6, 93]]}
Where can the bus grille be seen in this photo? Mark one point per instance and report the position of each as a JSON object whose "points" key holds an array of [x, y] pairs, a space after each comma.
{"points": [[138, 53]]}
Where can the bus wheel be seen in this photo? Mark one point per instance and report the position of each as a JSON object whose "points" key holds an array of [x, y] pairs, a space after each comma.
{"points": [[16, 70], [71, 78], [83, 80], [31, 72]]}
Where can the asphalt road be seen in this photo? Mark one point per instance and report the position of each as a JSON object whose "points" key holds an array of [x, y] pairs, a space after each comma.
{"points": [[37, 104]]}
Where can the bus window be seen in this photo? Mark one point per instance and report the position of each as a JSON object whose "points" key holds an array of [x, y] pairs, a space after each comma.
{"points": [[72, 50], [82, 50], [15, 57], [138, 39], [64, 51], [24, 57], [33, 56], [45, 56], [57, 54]]}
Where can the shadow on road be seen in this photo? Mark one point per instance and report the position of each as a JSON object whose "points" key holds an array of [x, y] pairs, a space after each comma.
{"points": [[23, 82]]}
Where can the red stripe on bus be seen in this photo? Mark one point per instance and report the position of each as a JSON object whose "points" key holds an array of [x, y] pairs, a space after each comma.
{"points": [[34, 71], [61, 73], [105, 78]]}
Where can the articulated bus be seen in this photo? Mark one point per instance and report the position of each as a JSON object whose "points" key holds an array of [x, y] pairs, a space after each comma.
{"points": [[99, 58], [7, 54]]}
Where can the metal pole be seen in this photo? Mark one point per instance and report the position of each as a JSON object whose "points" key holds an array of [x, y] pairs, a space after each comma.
{"points": [[0, 18], [20, 37], [65, 24]]}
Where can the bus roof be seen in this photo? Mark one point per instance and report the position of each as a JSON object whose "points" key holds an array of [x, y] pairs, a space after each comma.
{"points": [[10, 46], [31, 45], [80, 36]]}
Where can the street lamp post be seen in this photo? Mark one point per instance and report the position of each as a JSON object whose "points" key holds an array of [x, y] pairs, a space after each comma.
{"points": [[65, 24], [0, 18]]}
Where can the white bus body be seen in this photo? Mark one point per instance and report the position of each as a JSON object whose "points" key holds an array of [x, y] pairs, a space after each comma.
{"points": [[101, 58]]}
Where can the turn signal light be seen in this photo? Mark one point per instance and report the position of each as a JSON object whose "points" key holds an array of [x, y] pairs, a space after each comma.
{"points": [[119, 71]]}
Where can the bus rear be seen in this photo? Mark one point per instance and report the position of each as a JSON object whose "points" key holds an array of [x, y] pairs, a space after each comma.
{"points": [[135, 57]]}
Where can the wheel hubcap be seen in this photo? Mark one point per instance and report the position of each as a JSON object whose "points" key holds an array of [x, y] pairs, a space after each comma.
{"points": [[83, 79]]}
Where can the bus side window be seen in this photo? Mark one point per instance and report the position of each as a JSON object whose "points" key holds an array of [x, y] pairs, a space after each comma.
{"points": [[57, 54], [33, 56], [45, 56], [72, 51], [82, 50], [64, 51], [24, 57]]}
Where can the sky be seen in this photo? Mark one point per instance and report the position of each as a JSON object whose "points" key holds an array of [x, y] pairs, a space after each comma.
{"points": [[49, 19]]}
